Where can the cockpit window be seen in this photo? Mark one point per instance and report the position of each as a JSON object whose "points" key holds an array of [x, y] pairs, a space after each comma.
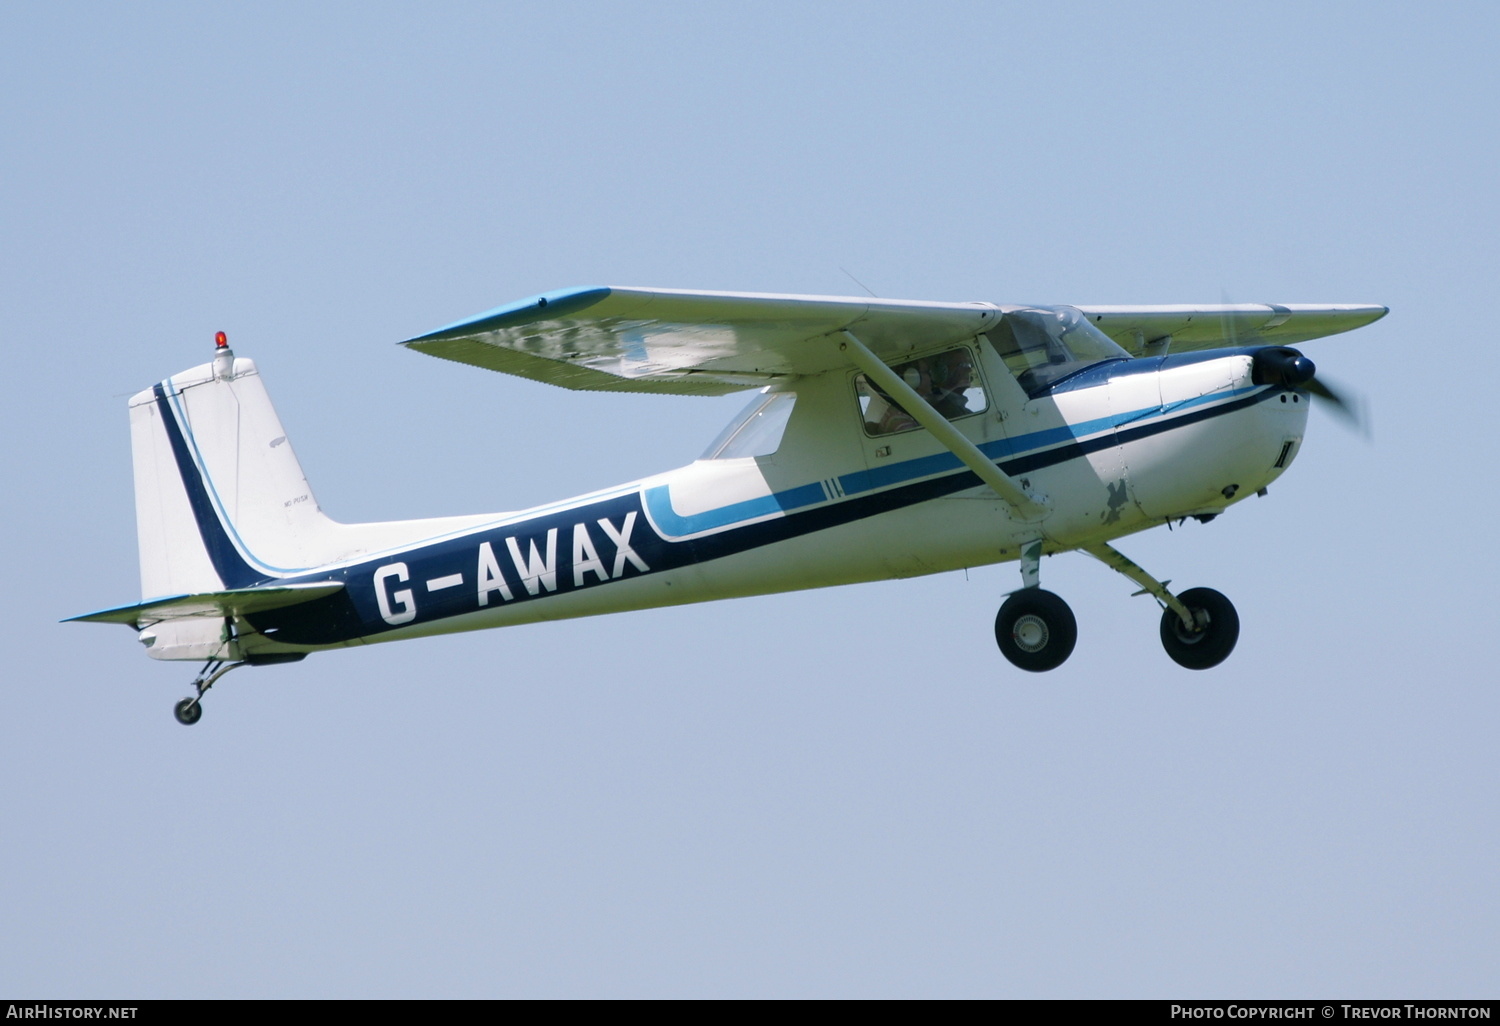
{"points": [[1042, 345], [757, 430], [947, 381]]}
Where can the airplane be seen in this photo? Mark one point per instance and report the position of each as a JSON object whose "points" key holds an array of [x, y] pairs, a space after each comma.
{"points": [[886, 439]]}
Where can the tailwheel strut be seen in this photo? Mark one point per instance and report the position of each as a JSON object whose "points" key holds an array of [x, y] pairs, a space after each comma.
{"points": [[190, 710]]}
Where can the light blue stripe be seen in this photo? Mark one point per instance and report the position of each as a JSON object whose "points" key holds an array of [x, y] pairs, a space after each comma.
{"points": [[174, 397], [659, 504]]}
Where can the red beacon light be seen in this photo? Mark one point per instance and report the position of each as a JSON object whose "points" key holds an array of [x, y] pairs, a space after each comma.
{"points": [[223, 357]]}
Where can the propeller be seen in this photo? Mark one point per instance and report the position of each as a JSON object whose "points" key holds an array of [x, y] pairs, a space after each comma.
{"points": [[1284, 366]]}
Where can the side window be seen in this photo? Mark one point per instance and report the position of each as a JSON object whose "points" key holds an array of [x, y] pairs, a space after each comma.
{"points": [[947, 381], [757, 430]]}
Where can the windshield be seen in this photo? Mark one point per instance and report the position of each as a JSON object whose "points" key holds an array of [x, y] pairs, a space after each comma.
{"points": [[756, 431], [1044, 344]]}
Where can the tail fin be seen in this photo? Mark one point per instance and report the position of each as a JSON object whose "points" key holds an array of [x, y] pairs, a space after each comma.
{"points": [[221, 501], [224, 513]]}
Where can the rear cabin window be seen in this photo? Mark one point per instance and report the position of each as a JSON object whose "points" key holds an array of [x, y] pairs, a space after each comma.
{"points": [[946, 380], [757, 430]]}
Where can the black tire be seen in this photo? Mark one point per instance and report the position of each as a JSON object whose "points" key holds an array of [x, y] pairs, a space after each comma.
{"points": [[188, 711], [1036, 630], [1198, 650]]}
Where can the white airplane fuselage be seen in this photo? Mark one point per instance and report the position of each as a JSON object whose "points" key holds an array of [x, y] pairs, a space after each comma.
{"points": [[1119, 448]]}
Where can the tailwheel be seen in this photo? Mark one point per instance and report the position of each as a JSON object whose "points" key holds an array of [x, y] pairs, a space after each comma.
{"points": [[1036, 630], [1218, 628], [188, 711]]}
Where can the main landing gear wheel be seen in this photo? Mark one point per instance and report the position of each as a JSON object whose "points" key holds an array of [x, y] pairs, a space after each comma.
{"points": [[189, 711], [1210, 645], [1036, 630]]}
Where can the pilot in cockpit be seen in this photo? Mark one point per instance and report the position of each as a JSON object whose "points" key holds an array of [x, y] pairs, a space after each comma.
{"points": [[942, 380], [951, 375]]}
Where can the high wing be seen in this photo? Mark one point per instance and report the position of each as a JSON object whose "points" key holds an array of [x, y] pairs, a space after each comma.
{"points": [[1143, 329], [691, 343], [711, 343]]}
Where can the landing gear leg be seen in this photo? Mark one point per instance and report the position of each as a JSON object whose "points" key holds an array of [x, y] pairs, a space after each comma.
{"points": [[190, 710], [1031, 564], [1035, 629], [1199, 628]]}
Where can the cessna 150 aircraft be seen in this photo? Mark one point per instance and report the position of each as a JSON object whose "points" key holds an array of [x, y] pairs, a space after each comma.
{"points": [[887, 439]]}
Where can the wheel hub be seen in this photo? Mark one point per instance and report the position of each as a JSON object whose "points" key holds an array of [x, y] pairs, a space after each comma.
{"points": [[1201, 622], [1030, 633]]}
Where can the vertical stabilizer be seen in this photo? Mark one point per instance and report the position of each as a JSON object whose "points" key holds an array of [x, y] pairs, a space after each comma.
{"points": [[221, 500], [222, 503]]}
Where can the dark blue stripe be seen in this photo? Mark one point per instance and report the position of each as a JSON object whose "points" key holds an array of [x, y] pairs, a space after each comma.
{"points": [[1135, 434], [230, 566], [1063, 453]]}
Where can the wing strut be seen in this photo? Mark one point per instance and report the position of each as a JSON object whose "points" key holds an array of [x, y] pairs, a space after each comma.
{"points": [[939, 427]]}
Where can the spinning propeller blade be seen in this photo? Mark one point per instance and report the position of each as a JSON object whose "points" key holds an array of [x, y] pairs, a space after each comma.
{"points": [[1345, 404], [1281, 365]]}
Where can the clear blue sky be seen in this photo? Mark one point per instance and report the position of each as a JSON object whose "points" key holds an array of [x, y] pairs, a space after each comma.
{"points": [[843, 792]]}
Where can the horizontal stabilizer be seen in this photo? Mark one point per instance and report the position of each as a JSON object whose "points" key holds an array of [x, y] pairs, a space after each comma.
{"points": [[236, 602]]}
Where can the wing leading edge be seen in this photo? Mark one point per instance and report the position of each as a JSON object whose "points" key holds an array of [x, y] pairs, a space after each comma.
{"points": [[691, 343]]}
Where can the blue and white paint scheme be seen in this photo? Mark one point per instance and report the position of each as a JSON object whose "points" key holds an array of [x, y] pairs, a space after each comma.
{"points": [[887, 439]]}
